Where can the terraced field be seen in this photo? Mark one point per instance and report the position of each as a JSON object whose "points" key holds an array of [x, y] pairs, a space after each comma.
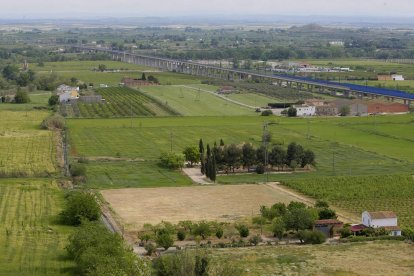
{"points": [[31, 242]]}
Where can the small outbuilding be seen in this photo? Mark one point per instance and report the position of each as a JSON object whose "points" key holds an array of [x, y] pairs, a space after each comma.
{"points": [[328, 226]]}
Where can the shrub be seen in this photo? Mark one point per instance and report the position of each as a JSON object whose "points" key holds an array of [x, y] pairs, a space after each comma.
{"points": [[151, 248], [172, 161], [255, 240], [219, 233], [80, 206], [181, 235], [292, 112], [53, 100], [267, 112], [165, 240], [326, 213], [260, 169], [54, 122], [96, 251], [311, 237], [77, 169], [345, 232], [21, 97], [202, 229], [243, 230]]}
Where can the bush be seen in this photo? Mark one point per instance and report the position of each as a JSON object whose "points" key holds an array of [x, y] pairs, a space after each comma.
{"points": [[183, 263], [96, 251], [243, 230], [219, 233], [326, 213], [54, 122], [267, 112], [165, 240], [181, 235], [292, 112], [202, 229], [21, 97], [151, 248], [260, 169], [345, 232], [80, 206], [255, 240], [77, 169], [172, 161], [311, 237], [53, 100]]}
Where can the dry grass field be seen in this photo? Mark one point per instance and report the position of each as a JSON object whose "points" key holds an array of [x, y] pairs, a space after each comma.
{"points": [[371, 258], [135, 207]]}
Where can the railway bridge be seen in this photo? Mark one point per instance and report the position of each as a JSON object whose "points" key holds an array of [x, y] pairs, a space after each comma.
{"points": [[209, 71]]}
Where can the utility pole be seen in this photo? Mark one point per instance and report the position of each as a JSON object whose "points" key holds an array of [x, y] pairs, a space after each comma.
{"points": [[171, 140]]}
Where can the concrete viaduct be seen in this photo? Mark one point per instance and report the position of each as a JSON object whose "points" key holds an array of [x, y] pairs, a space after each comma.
{"points": [[209, 71]]}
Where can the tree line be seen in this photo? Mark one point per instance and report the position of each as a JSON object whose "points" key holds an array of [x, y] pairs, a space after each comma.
{"points": [[229, 158]]}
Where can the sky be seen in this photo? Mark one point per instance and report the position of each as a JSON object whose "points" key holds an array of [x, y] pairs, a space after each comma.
{"points": [[143, 8]]}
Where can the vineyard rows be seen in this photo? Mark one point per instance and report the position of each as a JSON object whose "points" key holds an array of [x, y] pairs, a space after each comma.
{"points": [[364, 193], [119, 102]]}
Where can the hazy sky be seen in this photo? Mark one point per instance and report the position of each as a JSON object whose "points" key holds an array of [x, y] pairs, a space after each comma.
{"points": [[119, 8]]}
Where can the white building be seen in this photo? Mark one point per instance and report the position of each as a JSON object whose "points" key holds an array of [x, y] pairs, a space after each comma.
{"points": [[397, 77], [67, 93], [385, 219], [305, 110]]}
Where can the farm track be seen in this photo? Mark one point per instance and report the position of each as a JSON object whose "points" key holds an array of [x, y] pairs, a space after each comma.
{"points": [[342, 215]]}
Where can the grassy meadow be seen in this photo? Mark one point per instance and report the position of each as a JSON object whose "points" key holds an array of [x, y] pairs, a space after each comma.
{"points": [[25, 149], [32, 243], [195, 102]]}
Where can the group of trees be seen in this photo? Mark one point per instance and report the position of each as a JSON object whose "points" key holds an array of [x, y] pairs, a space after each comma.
{"points": [[295, 216], [231, 157]]}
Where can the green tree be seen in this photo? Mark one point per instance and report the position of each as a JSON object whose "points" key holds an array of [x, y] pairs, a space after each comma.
{"points": [[21, 97], [10, 72], [53, 100], [143, 77], [202, 229], [327, 213], [295, 153], [292, 112], [232, 156], [102, 67], [172, 161], [308, 158], [277, 156], [249, 155], [278, 227], [80, 206], [164, 240], [299, 219], [192, 155], [243, 230]]}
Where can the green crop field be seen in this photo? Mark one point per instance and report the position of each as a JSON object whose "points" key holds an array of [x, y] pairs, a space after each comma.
{"points": [[74, 66], [195, 101], [138, 174], [25, 149], [31, 242], [252, 99], [119, 102]]}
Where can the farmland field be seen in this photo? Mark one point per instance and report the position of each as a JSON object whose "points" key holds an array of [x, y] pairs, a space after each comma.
{"points": [[136, 207], [385, 258], [31, 242], [119, 102], [25, 149], [194, 102]]}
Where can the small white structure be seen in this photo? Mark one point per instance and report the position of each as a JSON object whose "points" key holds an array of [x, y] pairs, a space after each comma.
{"points": [[385, 219], [397, 77], [305, 110], [67, 93]]}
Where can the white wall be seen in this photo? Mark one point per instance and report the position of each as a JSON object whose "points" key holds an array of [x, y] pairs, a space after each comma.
{"points": [[305, 110], [375, 223]]}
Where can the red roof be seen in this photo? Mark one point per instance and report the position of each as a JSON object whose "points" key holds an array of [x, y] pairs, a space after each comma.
{"points": [[328, 221], [358, 227]]}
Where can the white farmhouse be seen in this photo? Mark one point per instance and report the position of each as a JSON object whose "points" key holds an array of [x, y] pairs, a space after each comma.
{"points": [[67, 93], [397, 77], [385, 219], [305, 110]]}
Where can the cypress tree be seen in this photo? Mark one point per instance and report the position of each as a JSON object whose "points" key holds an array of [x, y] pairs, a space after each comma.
{"points": [[221, 143], [202, 161], [213, 172]]}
